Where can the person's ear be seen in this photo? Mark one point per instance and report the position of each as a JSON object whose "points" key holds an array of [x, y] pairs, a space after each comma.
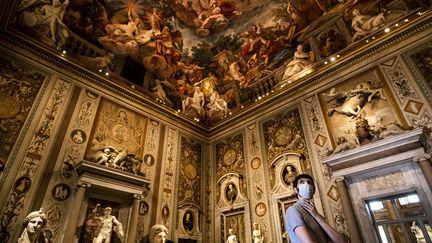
{"points": [[295, 189]]}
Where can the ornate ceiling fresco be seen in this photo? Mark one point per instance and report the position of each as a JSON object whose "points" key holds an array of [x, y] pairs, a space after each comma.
{"points": [[206, 58]]}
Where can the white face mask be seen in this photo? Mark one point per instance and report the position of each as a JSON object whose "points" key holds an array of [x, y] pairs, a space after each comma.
{"points": [[306, 190]]}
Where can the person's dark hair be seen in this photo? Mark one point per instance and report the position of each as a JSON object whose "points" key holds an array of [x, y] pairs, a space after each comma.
{"points": [[301, 176]]}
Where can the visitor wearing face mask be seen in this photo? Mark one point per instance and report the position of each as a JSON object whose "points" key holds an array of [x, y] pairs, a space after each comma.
{"points": [[302, 222]]}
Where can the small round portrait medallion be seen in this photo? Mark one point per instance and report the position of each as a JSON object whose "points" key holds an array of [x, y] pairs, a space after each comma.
{"points": [[61, 192]]}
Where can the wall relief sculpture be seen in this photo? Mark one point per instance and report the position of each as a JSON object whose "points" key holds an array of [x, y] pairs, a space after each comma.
{"points": [[361, 110], [117, 138], [283, 133]]}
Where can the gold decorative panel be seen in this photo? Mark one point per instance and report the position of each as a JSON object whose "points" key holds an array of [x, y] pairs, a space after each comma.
{"points": [[19, 86], [190, 171]]}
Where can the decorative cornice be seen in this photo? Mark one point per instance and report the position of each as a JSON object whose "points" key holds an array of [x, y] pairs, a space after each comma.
{"points": [[392, 150]]}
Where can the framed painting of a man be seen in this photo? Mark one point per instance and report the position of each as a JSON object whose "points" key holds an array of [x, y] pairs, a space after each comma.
{"points": [[231, 192], [188, 221]]}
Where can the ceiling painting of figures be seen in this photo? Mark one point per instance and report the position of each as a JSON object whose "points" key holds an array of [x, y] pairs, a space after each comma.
{"points": [[204, 57]]}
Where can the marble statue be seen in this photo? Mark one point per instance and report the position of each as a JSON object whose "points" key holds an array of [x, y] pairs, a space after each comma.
{"points": [[231, 238], [109, 224], [34, 223], [216, 105], [196, 102], [159, 91], [365, 24], [158, 234], [417, 233], [257, 236], [297, 64], [103, 62], [54, 16]]}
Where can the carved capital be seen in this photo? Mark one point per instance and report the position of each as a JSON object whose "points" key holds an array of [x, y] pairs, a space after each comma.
{"points": [[422, 158], [83, 184], [137, 196], [339, 179]]}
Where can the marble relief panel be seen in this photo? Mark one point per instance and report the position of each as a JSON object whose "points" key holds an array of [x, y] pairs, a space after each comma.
{"points": [[19, 86], [117, 138], [360, 110], [190, 171]]}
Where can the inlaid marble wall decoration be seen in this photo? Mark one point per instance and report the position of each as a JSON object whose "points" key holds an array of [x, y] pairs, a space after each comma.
{"points": [[325, 181], [117, 138], [360, 110], [284, 133], [252, 137], [29, 171], [414, 106], [319, 131], [418, 62], [168, 178], [230, 159], [340, 221], [63, 179], [19, 86], [209, 199], [259, 198], [190, 172], [150, 148]]}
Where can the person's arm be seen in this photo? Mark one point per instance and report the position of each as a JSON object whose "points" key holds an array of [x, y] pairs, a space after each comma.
{"points": [[294, 220], [335, 236], [304, 235]]}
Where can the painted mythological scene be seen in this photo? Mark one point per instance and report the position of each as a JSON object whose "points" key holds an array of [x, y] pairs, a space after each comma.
{"points": [[205, 58]]}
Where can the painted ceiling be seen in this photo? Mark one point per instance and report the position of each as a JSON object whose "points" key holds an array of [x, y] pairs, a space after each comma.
{"points": [[204, 57]]}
